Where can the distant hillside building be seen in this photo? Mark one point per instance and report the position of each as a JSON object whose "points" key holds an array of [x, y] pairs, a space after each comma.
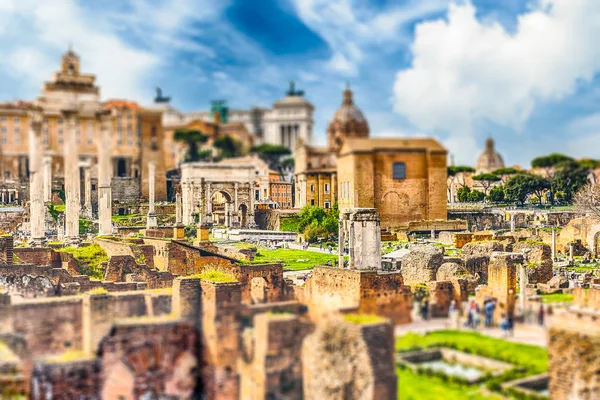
{"points": [[490, 160], [288, 121]]}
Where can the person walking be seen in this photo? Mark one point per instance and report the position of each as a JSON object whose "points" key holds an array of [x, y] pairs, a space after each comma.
{"points": [[425, 309], [489, 313], [541, 315]]}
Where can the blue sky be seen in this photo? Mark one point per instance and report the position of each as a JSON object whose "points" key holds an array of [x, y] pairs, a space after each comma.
{"points": [[522, 72]]}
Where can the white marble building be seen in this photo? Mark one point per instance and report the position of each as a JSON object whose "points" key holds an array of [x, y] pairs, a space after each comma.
{"points": [[289, 119]]}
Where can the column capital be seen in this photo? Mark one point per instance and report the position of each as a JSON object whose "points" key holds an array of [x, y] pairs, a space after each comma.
{"points": [[35, 119]]}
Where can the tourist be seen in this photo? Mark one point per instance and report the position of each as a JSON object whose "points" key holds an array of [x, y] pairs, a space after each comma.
{"points": [[541, 314], [425, 309], [511, 325], [454, 317], [505, 324], [320, 245], [490, 306]]}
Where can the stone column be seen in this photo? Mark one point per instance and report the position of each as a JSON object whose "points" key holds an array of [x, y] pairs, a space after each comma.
{"points": [[87, 196], [251, 220], [178, 230], [185, 199], [151, 220], [47, 178], [433, 234], [105, 175], [571, 253], [36, 182], [523, 286], [208, 203], [364, 238], [72, 180], [227, 214], [234, 214], [512, 222]]}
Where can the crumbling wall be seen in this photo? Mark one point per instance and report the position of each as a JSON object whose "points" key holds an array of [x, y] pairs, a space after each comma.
{"points": [[272, 275], [420, 265], [6, 250], [574, 355], [50, 326], [271, 364], [349, 361], [66, 380]]}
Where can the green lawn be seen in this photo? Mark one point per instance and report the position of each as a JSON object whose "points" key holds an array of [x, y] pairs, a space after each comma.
{"points": [[412, 386], [88, 259], [557, 298], [293, 259], [532, 360]]}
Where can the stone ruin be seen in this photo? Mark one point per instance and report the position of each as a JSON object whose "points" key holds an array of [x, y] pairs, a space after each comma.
{"points": [[574, 348], [156, 326]]}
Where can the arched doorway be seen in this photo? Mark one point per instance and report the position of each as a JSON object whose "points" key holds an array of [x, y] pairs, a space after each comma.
{"points": [[243, 215], [221, 208]]}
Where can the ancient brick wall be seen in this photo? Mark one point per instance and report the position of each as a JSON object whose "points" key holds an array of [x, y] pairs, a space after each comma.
{"points": [[480, 220], [270, 275], [349, 361], [574, 355], [367, 291], [186, 297], [441, 293], [455, 239], [125, 190], [66, 380], [102, 309], [159, 357], [221, 305], [38, 256], [271, 365], [6, 250], [50, 326]]}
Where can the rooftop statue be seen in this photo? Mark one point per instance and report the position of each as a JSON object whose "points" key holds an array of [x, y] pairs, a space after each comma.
{"points": [[160, 98], [293, 92]]}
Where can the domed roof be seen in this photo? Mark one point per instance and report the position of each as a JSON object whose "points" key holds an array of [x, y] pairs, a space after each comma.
{"points": [[348, 111], [347, 122], [489, 160]]}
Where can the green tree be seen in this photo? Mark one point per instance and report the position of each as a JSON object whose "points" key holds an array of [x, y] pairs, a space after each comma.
{"points": [[496, 194], [288, 163], [486, 180], [205, 155], [569, 178], [193, 139], [505, 173], [463, 194], [315, 222], [519, 187], [228, 146], [457, 173], [271, 154], [589, 163], [549, 164], [539, 186], [476, 196]]}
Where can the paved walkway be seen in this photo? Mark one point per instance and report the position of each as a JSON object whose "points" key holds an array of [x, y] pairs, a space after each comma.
{"points": [[524, 333]]}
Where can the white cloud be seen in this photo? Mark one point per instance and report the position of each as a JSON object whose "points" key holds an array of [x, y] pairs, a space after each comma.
{"points": [[465, 72], [350, 28], [583, 138], [36, 32]]}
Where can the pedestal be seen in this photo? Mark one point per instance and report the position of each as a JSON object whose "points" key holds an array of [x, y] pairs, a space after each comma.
{"points": [[179, 232], [151, 220], [202, 233]]}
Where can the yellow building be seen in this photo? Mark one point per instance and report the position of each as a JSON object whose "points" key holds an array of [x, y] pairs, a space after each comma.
{"points": [[137, 132]]}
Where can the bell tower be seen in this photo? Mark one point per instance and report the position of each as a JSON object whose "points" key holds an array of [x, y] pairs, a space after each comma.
{"points": [[70, 63]]}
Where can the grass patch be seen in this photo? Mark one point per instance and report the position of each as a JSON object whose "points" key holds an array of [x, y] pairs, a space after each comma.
{"points": [[557, 298], [533, 358], [292, 259], [412, 386], [530, 360], [361, 319], [215, 275], [122, 218], [68, 356], [88, 259], [289, 224]]}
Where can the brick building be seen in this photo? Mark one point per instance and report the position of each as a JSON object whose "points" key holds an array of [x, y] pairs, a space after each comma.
{"points": [[280, 191], [403, 178]]}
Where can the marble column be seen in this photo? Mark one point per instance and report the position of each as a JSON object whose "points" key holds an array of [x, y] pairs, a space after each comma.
{"points": [[227, 214], [341, 243], [151, 220], [208, 203], [105, 175], [251, 220], [72, 180], [185, 199], [47, 178], [235, 211], [523, 287], [178, 209], [87, 194], [36, 182]]}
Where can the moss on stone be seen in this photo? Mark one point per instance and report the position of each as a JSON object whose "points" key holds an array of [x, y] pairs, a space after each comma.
{"points": [[215, 275], [361, 319], [88, 259]]}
